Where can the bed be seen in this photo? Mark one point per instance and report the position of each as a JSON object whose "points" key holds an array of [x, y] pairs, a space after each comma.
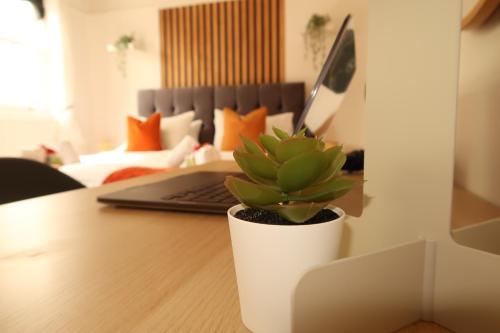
{"points": [[278, 98]]}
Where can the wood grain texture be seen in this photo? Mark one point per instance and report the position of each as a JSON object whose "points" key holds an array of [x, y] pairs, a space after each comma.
{"points": [[70, 264], [274, 42], [480, 13], [175, 48], [222, 44], [181, 29], [259, 40], [228, 42], [163, 52], [469, 209], [266, 18], [215, 44], [209, 75], [281, 48], [424, 327], [91, 268], [244, 42], [237, 42], [169, 50], [188, 46], [195, 45], [201, 45], [251, 42]]}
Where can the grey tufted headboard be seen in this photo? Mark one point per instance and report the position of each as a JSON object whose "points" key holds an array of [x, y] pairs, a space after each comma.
{"points": [[278, 98]]}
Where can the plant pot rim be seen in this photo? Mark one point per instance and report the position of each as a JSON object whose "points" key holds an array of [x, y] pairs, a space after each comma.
{"points": [[340, 212]]}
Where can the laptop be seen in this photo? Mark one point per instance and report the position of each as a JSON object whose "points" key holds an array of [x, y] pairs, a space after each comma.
{"points": [[204, 192]]}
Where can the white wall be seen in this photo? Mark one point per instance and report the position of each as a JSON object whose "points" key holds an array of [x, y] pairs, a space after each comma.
{"points": [[76, 54], [477, 165], [111, 95], [21, 129]]}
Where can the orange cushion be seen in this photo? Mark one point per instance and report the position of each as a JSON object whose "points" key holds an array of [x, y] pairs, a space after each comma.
{"points": [[250, 125], [143, 135]]}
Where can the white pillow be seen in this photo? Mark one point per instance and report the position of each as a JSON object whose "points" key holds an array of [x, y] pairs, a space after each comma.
{"points": [[206, 154], [67, 153], [174, 129], [122, 147], [219, 127], [194, 129], [283, 120], [181, 150]]}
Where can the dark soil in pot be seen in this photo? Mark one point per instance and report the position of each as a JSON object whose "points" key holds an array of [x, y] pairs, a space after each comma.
{"points": [[265, 217]]}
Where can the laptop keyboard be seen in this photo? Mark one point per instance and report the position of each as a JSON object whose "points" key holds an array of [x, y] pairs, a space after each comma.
{"points": [[216, 193]]}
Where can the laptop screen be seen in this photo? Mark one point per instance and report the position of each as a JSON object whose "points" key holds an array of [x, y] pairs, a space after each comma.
{"points": [[332, 82]]}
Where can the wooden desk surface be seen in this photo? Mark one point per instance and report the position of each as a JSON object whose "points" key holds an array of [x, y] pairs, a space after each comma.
{"points": [[68, 263]]}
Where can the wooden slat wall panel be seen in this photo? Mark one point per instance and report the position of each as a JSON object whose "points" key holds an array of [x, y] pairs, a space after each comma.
{"points": [[188, 46], [175, 49], [266, 16], [281, 48], [274, 42], [222, 44], [231, 42], [244, 42], [182, 47], [195, 43], [251, 41], [237, 43], [259, 55], [163, 43], [208, 46], [215, 43]]}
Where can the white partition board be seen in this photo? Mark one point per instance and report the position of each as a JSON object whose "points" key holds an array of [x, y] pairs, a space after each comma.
{"points": [[378, 292], [412, 54], [467, 289], [411, 90]]}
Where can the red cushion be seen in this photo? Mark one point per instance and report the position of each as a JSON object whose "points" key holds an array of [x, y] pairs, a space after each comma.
{"points": [[131, 172]]}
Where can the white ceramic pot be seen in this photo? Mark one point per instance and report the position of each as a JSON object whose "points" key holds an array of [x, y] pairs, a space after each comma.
{"points": [[269, 262]]}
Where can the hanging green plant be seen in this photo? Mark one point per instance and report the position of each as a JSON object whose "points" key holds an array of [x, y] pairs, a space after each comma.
{"points": [[125, 42], [120, 47], [315, 38]]}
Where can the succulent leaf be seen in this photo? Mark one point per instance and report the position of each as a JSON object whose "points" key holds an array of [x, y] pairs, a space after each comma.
{"points": [[332, 152], [251, 146], [300, 171], [321, 144], [336, 160], [302, 132], [297, 212], [270, 143], [292, 147], [260, 165], [282, 135], [332, 196], [252, 194], [248, 170], [327, 191]]}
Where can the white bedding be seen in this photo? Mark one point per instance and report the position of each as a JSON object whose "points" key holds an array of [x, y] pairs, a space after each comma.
{"points": [[93, 169]]}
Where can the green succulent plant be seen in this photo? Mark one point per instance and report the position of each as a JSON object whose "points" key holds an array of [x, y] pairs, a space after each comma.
{"points": [[294, 176]]}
